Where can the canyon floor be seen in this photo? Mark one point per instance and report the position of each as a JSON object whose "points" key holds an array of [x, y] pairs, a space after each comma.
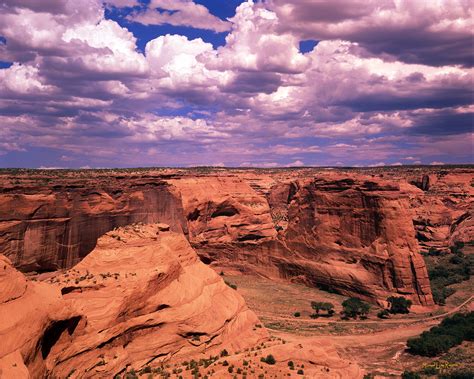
{"points": [[378, 346]]}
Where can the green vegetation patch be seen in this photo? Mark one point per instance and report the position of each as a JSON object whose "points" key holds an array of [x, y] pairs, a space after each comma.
{"points": [[447, 269], [452, 331]]}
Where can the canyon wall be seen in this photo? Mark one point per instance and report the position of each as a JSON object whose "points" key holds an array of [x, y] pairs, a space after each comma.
{"points": [[47, 227], [355, 232], [356, 235], [351, 235], [443, 208]]}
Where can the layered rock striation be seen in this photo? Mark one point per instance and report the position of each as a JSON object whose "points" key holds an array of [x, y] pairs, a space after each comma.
{"points": [[141, 297], [443, 208]]}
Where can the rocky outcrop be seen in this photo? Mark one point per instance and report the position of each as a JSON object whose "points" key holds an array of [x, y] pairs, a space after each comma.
{"points": [[44, 228], [33, 318], [141, 297], [438, 209], [462, 230], [356, 236], [224, 213], [224, 209]]}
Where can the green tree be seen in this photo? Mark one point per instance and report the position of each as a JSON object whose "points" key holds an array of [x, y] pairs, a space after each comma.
{"points": [[398, 304], [322, 306], [354, 307], [269, 359]]}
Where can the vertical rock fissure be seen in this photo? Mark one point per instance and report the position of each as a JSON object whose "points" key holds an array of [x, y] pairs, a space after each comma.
{"points": [[415, 282]]}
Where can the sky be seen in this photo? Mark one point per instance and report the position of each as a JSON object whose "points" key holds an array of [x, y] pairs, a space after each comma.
{"points": [[274, 83]]}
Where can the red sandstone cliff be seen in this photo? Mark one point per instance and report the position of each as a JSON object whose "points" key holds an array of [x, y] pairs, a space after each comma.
{"points": [[346, 229], [47, 227], [356, 236]]}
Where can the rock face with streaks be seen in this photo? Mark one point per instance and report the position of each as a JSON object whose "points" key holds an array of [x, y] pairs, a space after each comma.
{"points": [[141, 297], [462, 230], [225, 215], [356, 236], [44, 228]]}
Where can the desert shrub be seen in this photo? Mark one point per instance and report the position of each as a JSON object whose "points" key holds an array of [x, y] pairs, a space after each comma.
{"points": [[354, 307], [147, 370], [410, 375], [457, 247], [384, 313], [440, 293], [269, 359], [430, 370], [300, 372], [297, 314], [448, 269], [231, 285], [398, 304], [131, 375], [452, 331], [432, 252]]}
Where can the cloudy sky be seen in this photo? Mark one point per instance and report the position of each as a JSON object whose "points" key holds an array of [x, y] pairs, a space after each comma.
{"points": [[127, 83]]}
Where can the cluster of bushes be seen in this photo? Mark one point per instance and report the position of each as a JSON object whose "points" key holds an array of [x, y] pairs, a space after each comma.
{"points": [[456, 374], [452, 331], [353, 307], [448, 269]]}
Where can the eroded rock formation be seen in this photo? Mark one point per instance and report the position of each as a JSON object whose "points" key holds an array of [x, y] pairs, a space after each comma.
{"points": [[352, 235], [33, 317], [141, 297]]}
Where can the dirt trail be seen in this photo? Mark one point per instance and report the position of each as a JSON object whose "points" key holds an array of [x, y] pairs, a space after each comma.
{"points": [[391, 335], [327, 321]]}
